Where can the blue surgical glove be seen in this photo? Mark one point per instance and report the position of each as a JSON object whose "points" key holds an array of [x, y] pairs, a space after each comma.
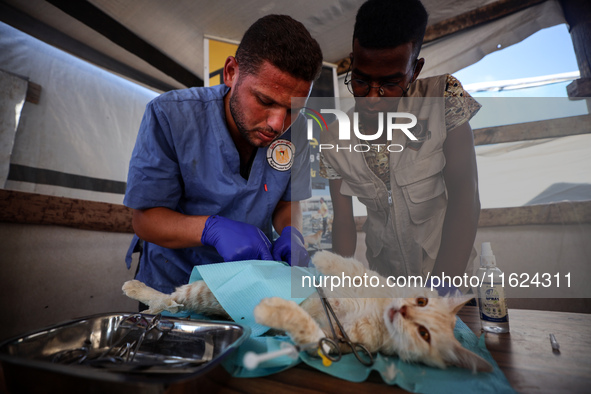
{"points": [[289, 247], [236, 241], [443, 289]]}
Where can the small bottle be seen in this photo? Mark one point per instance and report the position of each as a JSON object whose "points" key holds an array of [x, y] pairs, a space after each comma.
{"points": [[494, 316]]}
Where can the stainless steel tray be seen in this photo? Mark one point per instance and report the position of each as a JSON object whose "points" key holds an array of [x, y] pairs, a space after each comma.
{"points": [[122, 349]]}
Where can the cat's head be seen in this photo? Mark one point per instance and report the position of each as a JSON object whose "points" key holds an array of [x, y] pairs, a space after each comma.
{"points": [[421, 329]]}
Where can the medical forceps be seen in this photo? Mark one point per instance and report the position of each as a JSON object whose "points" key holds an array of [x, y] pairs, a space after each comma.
{"points": [[361, 353]]}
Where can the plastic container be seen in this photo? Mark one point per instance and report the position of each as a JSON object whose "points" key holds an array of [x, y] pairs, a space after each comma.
{"points": [[494, 315]]}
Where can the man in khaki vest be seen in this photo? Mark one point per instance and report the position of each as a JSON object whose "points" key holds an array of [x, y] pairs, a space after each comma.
{"points": [[422, 195]]}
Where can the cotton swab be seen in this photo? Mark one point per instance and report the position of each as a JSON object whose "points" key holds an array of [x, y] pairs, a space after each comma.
{"points": [[252, 360]]}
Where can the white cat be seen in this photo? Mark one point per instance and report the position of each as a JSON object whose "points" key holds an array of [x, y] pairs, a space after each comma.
{"points": [[413, 323]]}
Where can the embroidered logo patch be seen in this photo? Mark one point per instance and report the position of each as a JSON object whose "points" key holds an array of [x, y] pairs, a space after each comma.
{"points": [[280, 155]]}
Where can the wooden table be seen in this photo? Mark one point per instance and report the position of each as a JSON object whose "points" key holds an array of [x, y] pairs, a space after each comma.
{"points": [[524, 355]]}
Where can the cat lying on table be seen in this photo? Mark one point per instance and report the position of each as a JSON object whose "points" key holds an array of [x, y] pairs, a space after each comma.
{"points": [[413, 322]]}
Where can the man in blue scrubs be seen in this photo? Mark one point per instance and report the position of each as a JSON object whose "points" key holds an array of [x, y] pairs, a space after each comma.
{"points": [[215, 169]]}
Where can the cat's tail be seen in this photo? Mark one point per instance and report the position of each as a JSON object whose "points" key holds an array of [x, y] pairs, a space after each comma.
{"points": [[156, 300]]}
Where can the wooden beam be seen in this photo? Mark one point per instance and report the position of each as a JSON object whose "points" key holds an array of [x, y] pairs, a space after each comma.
{"points": [[578, 16], [478, 16], [568, 212], [551, 128], [30, 208], [33, 93], [579, 88]]}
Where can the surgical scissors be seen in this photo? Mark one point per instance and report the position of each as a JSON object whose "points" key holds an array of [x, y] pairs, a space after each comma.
{"points": [[361, 353]]}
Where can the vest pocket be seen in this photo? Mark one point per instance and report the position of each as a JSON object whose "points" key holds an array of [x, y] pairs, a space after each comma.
{"points": [[425, 198], [423, 187]]}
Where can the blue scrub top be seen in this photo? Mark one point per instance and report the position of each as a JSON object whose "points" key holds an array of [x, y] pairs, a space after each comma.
{"points": [[184, 159]]}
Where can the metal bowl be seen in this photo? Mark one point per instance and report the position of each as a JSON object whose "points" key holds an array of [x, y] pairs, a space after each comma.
{"points": [[117, 351]]}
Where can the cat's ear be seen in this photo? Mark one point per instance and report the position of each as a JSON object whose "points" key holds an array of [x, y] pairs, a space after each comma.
{"points": [[456, 302], [464, 358]]}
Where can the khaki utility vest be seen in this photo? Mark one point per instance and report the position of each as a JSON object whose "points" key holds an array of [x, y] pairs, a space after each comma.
{"points": [[404, 224]]}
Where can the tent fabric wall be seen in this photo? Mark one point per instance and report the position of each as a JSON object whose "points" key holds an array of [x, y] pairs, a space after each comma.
{"points": [[178, 31], [460, 50], [14, 91], [455, 52], [83, 128]]}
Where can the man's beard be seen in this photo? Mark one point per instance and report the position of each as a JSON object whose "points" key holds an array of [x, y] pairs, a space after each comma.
{"points": [[238, 115]]}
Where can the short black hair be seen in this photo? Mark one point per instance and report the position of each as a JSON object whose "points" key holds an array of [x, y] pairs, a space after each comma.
{"points": [[285, 43], [384, 24]]}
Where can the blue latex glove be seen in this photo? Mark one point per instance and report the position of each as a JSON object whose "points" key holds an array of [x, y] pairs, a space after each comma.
{"points": [[289, 247], [235, 240], [443, 289]]}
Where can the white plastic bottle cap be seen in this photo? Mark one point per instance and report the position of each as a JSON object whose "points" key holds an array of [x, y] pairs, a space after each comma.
{"points": [[486, 250]]}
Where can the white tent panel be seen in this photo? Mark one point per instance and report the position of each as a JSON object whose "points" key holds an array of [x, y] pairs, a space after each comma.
{"points": [[513, 174], [85, 123]]}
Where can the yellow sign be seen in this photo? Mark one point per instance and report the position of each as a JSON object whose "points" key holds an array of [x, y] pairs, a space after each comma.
{"points": [[217, 55]]}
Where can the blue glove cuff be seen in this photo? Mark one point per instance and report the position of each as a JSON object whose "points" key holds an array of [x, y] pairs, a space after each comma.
{"points": [[208, 224], [443, 289], [290, 231]]}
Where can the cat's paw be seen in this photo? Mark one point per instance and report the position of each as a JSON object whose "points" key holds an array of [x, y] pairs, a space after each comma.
{"points": [[288, 316], [134, 289], [166, 304], [157, 301], [315, 338], [268, 311]]}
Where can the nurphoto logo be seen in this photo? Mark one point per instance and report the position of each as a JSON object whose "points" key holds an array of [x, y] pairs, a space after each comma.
{"points": [[345, 129]]}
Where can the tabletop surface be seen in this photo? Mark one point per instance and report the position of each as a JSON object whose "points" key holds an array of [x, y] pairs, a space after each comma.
{"points": [[524, 355]]}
